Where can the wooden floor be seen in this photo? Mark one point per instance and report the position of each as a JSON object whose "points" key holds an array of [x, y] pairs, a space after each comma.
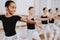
{"points": [[18, 30]]}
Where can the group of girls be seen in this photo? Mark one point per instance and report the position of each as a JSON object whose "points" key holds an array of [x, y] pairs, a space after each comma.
{"points": [[50, 23]]}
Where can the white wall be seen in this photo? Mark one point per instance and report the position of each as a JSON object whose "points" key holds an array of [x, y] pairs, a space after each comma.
{"points": [[39, 5], [2, 6], [23, 5], [55, 3]]}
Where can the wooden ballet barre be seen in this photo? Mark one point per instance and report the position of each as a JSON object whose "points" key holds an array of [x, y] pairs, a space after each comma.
{"points": [[1, 28], [16, 26], [23, 25]]}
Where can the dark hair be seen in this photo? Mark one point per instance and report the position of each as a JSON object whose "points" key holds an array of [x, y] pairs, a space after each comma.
{"points": [[56, 8], [30, 8], [44, 8], [8, 3], [49, 10]]}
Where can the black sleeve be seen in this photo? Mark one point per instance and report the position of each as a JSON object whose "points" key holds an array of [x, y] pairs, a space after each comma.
{"points": [[1, 17], [18, 18]]}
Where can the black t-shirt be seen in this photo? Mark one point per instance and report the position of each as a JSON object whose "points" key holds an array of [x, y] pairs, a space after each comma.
{"points": [[44, 21], [31, 26], [9, 24]]}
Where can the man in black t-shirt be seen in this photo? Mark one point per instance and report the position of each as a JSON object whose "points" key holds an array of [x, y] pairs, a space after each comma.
{"points": [[9, 21]]}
